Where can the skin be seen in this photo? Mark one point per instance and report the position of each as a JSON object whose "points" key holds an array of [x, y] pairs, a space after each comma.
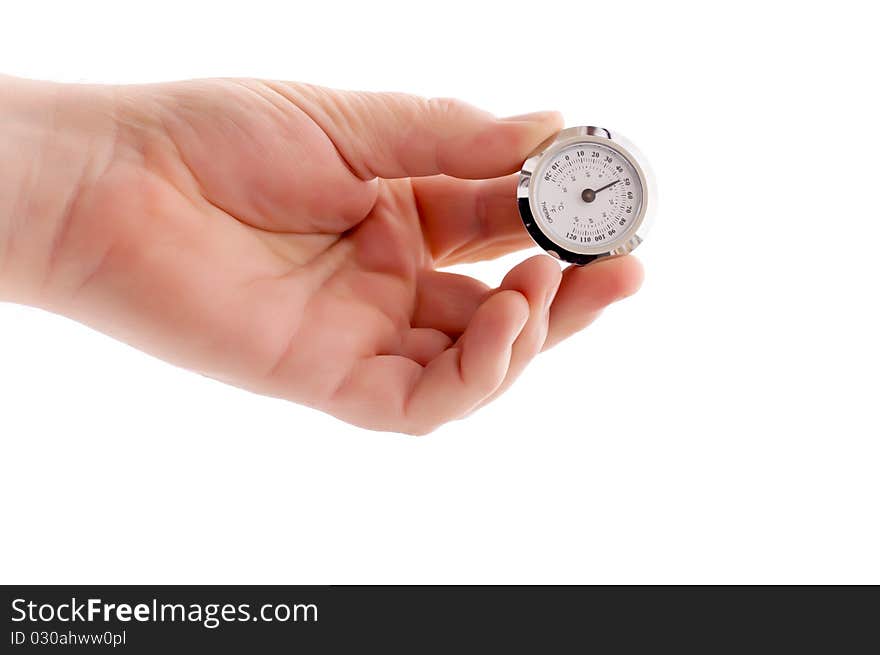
{"points": [[286, 238]]}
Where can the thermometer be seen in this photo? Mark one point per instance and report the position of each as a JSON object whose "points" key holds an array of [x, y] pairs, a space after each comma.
{"points": [[586, 194]]}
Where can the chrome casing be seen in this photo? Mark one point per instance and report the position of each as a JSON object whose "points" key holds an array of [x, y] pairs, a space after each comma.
{"points": [[546, 151]]}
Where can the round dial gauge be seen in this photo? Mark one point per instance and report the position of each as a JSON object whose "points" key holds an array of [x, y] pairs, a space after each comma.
{"points": [[584, 196]]}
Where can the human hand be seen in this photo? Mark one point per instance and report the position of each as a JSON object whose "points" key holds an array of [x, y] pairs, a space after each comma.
{"points": [[286, 238]]}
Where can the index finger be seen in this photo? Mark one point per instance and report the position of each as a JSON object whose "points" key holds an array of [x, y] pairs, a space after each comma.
{"points": [[394, 135]]}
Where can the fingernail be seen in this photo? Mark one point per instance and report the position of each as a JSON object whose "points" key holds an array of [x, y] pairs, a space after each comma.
{"points": [[534, 117]]}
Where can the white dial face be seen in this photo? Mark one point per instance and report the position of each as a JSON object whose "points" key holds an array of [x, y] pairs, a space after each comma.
{"points": [[587, 197]]}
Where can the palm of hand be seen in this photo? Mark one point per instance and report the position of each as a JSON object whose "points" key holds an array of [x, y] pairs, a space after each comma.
{"points": [[239, 229]]}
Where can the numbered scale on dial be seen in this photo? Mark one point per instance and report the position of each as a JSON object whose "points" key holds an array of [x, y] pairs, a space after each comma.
{"points": [[585, 194]]}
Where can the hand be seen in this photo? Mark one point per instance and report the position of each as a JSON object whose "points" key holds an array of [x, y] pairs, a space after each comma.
{"points": [[285, 238]]}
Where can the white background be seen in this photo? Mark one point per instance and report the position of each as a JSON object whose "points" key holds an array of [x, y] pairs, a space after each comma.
{"points": [[720, 426]]}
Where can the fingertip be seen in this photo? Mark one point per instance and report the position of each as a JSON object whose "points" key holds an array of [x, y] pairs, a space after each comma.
{"points": [[625, 276], [586, 290], [550, 270], [487, 343], [546, 264], [517, 310], [608, 280], [538, 272], [498, 322], [636, 274], [537, 280]]}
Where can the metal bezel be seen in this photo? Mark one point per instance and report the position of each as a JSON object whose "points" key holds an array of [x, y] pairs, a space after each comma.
{"points": [[562, 140]]}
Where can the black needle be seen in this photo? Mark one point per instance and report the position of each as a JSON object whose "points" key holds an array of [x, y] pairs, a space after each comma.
{"points": [[610, 184], [589, 195]]}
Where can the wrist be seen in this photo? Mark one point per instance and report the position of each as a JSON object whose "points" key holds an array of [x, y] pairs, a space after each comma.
{"points": [[52, 139]]}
